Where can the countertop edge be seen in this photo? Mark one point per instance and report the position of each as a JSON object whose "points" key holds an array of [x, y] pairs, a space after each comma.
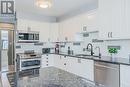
{"points": [[113, 62]]}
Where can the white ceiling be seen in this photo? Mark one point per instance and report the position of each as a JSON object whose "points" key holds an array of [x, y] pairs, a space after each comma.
{"points": [[59, 8]]}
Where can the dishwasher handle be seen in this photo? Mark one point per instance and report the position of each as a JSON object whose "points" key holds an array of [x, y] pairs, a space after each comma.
{"points": [[107, 67]]}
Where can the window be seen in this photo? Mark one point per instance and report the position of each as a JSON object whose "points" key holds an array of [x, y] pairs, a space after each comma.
{"points": [[4, 39]]}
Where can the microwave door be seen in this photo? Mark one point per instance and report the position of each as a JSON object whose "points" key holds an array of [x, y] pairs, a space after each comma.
{"points": [[36, 36], [26, 36], [21, 36], [31, 37]]}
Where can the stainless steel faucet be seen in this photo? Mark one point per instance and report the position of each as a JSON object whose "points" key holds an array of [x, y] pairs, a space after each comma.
{"points": [[91, 48], [99, 51]]}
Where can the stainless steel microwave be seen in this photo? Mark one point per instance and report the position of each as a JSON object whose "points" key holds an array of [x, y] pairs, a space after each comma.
{"points": [[28, 36]]}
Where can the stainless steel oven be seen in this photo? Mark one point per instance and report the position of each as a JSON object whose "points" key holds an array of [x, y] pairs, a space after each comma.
{"points": [[28, 60]]}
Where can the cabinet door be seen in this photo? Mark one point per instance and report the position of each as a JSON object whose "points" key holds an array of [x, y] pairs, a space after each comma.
{"points": [[127, 18], [57, 61], [22, 24], [110, 19], [65, 32], [73, 66], [124, 76], [54, 32], [87, 69], [47, 60], [69, 28], [63, 63], [51, 60], [90, 21], [44, 31], [44, 61], [81, 67]]}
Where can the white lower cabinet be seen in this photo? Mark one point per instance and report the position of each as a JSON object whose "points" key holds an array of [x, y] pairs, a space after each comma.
{"points": [[81, 67], [124, 76], [87, 69], [47, 60], [60, 62], [57, 61]]}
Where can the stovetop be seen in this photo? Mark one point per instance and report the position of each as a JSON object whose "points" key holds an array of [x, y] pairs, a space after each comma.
{"points": [[27, 56]]}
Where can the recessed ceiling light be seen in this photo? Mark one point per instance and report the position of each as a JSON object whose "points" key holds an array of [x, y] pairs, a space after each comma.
{"points": [[44, 3], [43, 6]]}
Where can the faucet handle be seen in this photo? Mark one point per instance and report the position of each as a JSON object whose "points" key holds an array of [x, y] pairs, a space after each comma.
{"points": [[97, 47]]}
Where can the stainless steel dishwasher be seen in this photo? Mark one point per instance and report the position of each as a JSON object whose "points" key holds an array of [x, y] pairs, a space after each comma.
{"points": [[107, 74]]}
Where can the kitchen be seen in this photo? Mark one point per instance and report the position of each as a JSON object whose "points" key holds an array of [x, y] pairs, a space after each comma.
{"points": [[51, 43]]}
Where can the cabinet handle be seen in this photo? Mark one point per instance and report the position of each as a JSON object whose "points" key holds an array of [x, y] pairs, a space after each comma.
{"points": [[108, 34], [111, 35], [60, 57], [79, 60], [65, 64]]}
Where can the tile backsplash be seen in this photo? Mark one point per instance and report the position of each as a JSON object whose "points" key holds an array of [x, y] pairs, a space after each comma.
{"points": [[28, 46], [123, 52]]}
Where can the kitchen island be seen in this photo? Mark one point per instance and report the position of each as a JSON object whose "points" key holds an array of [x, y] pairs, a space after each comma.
{"points": [[52, 77]]}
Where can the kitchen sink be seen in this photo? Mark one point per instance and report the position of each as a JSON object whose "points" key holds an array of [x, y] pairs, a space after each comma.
{"points": [[85, 55], [82, 55]]}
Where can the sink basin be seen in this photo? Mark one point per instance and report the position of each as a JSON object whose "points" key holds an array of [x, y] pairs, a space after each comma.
{"points": [[85, 55], [82, 55]]}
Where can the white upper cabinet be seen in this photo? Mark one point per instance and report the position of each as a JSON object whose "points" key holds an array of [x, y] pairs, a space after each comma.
{"points": [[111, 21], [70, 27], [54, 32], [127, 18], [42, 27], [89, 21]]}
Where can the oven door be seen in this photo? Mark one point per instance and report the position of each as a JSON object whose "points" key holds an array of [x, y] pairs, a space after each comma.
{"points": [[30, 64]]}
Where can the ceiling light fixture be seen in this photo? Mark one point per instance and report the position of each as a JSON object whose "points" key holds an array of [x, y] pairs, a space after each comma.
{"points": [[44, 3]]}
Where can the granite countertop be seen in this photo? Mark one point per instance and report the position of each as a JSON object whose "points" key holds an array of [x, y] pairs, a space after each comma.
{"points": [[106, 59], [54, 77]]}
